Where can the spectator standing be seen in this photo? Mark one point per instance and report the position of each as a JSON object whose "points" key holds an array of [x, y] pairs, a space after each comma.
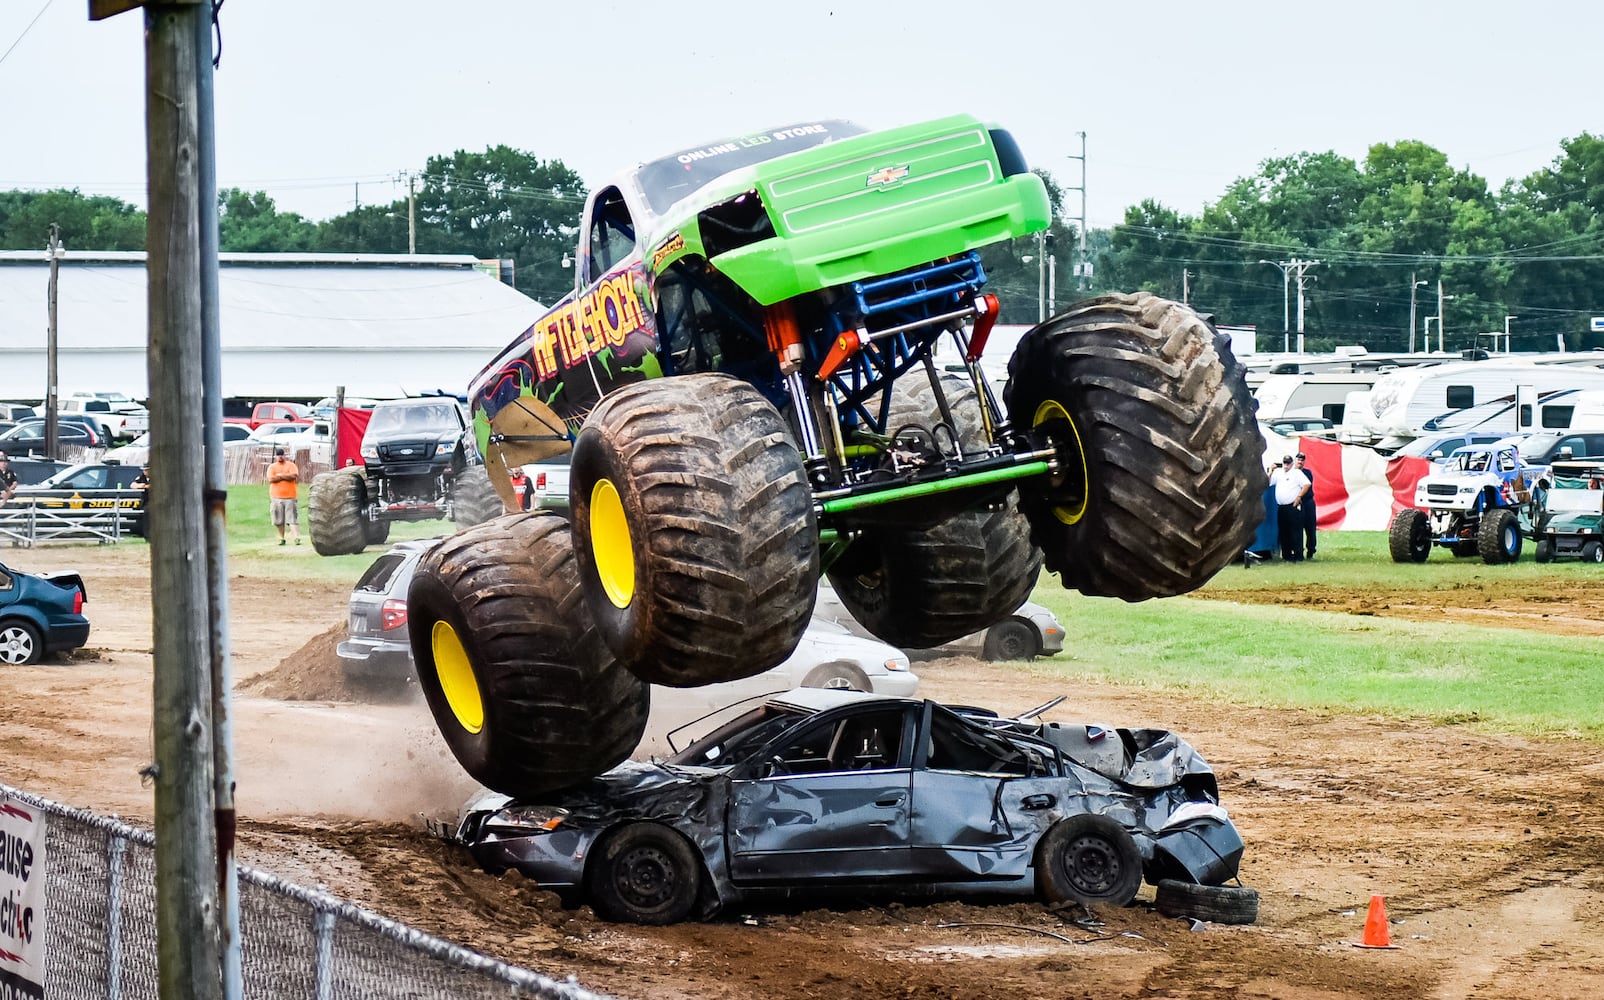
{"points": [[282, 479], [8, 479], [1310, 517], [1290, 486]]}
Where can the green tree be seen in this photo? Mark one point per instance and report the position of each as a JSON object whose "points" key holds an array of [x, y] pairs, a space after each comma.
{"points": [[87, 223], [249, 222], [504, 203]]}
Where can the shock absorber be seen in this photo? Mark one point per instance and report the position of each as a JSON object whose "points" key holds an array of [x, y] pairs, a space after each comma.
{"points": [[785, 341]]}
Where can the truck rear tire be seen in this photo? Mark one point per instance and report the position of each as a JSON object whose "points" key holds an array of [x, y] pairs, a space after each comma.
{"points": [[1498, 538], [335, 512], [1161, 479], [916, 588], [519, 682], [920, 587], [1409, 536], [473, 499], [694, 529]]}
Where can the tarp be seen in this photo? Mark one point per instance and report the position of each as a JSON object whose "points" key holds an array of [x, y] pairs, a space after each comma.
{"points": [[1355, 488]]}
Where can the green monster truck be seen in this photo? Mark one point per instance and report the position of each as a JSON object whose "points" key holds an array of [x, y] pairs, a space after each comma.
{"points": [[744, 374]]}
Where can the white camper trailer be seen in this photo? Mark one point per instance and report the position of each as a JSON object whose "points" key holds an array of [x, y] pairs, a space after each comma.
{"points": [[1309, 396], [1404, 404]]}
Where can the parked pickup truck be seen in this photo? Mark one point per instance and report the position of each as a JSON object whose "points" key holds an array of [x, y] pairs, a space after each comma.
{"points": [[119, 417], [274, 413]]}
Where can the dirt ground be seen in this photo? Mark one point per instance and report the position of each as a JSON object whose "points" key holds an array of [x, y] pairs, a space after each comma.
{"points": [[1489, 850]]}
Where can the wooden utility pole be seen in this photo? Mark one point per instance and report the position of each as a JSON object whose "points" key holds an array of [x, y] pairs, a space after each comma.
{"points": [[412, 215], [188, 914], [52, 401]]}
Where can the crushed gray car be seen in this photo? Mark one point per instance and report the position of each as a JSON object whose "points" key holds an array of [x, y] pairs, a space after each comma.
{"points": [[818, 790]]}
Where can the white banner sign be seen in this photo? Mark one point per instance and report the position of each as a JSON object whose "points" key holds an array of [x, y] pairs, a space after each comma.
{"points": [[22, 901]]}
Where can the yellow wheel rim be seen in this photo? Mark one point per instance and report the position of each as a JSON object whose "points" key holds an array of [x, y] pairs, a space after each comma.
{"points": [[1070, 483], [610, 544], [457, 682]]}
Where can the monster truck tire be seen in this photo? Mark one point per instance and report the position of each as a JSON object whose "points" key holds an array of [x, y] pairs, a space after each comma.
{"points": [[334, 512], [519, 682], [1545, 551], [376, 532], [918, 587], [1219, 904], [1161, 479], [694, 529], [473, 499], [1498, 538], [1409, 536]]}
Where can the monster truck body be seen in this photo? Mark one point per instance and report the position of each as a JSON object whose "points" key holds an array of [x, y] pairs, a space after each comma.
{"points": [[1479, 504], [745, 377], [1570, 512], [417, 465]]}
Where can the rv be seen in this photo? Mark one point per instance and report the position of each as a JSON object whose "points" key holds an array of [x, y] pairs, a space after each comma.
{"points": [[1502, 395], [1286, 397]]}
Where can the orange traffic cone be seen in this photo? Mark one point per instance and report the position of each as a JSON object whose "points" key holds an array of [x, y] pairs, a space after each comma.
{"points": [[1377, 933]]}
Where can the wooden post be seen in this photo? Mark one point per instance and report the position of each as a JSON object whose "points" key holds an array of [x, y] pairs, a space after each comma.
{"points": [[52, 398], [187, 905]]}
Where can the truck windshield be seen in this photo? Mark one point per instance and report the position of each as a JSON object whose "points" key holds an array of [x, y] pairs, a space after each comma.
{"points": [[677, 175]]}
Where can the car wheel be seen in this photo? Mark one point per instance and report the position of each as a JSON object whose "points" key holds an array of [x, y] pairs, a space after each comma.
{"points": [[1409, 536], [1499, 539], [334, 512], [1219, 904], [1593, 552], [1012, 639], [694, 528], [1160, 479], [19, 644], [521, 686], [1545, 551], [1088, 859], [644, 873], [841, 676]]}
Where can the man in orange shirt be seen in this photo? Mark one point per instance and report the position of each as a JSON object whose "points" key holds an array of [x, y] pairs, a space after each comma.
{"points": [[282, 477]]}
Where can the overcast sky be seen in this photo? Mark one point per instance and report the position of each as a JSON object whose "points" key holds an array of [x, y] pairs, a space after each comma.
{"points": [[315, 97]]}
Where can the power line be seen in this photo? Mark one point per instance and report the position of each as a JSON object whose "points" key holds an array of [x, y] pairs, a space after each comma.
{"points": [[25, 31]]}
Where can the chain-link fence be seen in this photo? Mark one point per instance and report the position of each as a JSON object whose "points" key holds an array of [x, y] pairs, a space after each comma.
{"points": [[100, 931]]}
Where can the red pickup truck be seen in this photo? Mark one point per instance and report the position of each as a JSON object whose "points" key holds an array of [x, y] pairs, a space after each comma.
{"points": [[274, 413]]}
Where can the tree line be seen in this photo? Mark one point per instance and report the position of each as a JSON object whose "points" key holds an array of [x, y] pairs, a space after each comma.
{"points": [[1394, 225]]}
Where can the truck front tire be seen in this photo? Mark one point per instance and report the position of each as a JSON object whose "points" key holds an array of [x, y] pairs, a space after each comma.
{"points": [[335, 512], [1160, 479], [694, 529]]}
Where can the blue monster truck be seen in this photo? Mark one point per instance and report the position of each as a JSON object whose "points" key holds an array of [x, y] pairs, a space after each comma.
{"points": [[745, 377], [1480, 504]]}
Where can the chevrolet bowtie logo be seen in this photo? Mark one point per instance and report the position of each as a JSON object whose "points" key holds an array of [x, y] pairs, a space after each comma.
{"points": [[887, 175]]}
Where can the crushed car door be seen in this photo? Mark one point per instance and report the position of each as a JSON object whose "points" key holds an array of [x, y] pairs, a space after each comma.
{"points": [[831, 803], [980, 800]]}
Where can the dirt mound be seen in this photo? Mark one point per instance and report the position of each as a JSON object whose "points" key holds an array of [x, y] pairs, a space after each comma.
{"points": [[311, 673]]}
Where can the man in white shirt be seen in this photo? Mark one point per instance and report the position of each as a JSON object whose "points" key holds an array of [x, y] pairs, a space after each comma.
{"points": [[1291, 486]]}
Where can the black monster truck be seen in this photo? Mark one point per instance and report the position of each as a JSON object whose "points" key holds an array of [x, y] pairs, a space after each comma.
{"points": [[744, 373], [418, 464]]}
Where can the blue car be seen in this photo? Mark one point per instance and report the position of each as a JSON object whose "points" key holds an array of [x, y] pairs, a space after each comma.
{"points": [[40, 614], [822, 789]]}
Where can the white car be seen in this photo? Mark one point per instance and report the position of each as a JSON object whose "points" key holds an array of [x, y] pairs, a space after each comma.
{"points": [[1029, 632], [377, 649]]}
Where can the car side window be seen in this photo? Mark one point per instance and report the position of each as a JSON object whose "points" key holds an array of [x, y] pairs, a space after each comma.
{"points": [[5, 580], [863, 741], [957, 745]]}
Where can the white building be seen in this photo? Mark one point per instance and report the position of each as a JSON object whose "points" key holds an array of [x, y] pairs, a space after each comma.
{"points": [[292, 325]]}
